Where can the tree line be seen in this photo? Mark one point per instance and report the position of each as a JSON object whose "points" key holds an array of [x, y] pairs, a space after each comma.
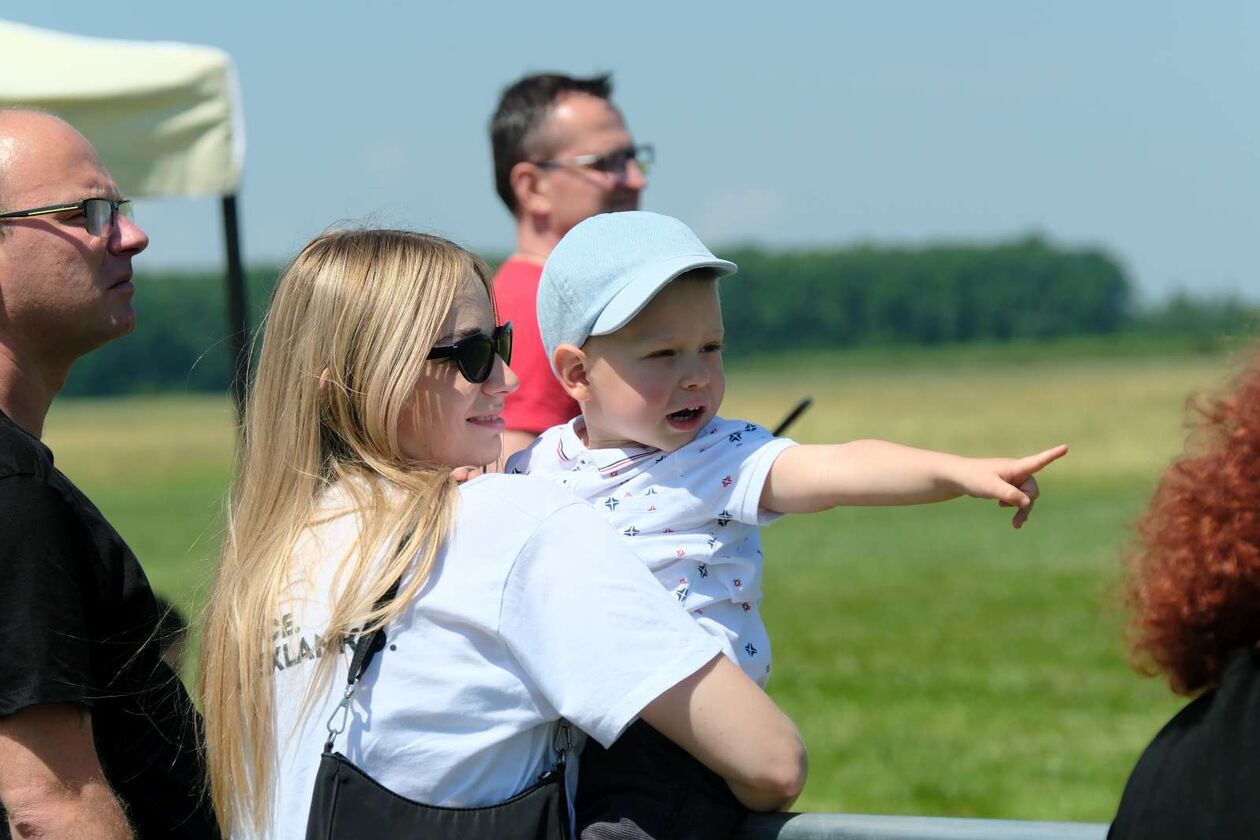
{"points": [[780, 301]]}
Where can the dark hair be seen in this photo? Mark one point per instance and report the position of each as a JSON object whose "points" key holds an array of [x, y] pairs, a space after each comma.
{"points": [[171, 633], [523, 107]]}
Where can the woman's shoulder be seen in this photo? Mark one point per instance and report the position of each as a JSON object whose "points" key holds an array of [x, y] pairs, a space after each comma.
{"points": [[523, 515], [518, 526], [1197, 776], [519, 498], [1216, 719]]}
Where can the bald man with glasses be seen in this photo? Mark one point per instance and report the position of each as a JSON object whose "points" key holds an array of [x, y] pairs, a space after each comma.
{"points": [[98, 738], [562, 153]]}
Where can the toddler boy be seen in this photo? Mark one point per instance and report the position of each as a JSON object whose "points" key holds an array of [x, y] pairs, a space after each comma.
{"points": [[630, 319]]}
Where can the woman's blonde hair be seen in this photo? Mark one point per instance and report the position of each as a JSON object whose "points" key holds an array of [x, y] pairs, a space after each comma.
{"points": [[351, 322]]}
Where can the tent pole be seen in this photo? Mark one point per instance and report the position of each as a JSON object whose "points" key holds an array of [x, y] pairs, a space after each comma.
{"points": [[236, 304]]}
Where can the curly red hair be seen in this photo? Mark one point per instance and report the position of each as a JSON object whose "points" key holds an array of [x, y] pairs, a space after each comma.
{"points": [[1194, 570]]}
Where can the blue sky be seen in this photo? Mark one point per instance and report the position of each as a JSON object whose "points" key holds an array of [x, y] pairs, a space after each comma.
{"points": [[1130, 125]]}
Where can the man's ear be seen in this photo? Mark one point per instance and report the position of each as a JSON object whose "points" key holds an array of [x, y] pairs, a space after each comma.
{"points": [[526, 181], [572, 369]]}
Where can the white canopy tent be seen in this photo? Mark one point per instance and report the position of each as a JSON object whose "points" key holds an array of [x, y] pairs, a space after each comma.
{"points": [[165, 117]]}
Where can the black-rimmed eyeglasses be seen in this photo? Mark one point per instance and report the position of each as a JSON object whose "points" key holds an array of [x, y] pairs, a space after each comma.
{"points": [[99, 213], [612, 163], [475, 354]]}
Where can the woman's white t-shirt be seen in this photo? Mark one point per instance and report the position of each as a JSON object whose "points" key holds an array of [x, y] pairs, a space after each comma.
{"points": [[532, 613]]}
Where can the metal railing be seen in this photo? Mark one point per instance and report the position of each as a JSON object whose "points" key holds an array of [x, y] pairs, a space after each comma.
{"points": [[864, 827]]}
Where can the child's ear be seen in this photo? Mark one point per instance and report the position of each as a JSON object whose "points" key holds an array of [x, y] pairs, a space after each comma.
{"points": [[571, 369]]}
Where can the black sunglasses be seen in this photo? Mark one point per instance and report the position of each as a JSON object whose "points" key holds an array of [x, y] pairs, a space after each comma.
{"points": [[475, 355], [99, 213]]}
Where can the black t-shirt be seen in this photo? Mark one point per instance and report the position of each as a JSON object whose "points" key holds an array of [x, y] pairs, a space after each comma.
{"points": [[1200, 777], [78, 625]]}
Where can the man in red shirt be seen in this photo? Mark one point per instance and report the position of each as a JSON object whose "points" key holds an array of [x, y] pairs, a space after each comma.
{"points": [[562, 153]]}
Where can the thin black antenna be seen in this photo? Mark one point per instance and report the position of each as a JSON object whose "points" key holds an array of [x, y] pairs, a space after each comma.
{"points": [[793, 416]]}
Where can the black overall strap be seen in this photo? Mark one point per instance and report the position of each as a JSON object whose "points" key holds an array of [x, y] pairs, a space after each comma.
{"points": [[365, 650]]}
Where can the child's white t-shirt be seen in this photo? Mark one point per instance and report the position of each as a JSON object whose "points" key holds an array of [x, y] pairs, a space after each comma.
{"points": [[691, 516], [534, 611]]}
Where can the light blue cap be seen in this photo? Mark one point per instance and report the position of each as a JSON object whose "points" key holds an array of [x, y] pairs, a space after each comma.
{"points": [[608, 267]]}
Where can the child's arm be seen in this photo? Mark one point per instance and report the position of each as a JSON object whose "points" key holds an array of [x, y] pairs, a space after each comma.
{"points": [[806, 479]]}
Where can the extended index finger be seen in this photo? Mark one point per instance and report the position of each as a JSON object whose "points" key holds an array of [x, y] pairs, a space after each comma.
{"points": [[1034, 463]]}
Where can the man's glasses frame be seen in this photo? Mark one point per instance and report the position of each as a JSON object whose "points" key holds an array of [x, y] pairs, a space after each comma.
{"points": [[611, 163], [475, 354], [100, 213]]}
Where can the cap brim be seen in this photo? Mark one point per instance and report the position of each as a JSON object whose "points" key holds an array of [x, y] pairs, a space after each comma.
{"points": [[649, 280]]}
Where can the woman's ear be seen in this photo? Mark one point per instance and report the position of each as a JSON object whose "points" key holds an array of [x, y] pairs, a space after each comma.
{"points": [[572, 370]]}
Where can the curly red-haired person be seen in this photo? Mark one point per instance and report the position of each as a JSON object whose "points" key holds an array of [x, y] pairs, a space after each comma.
{"points": [[1194, 592]]}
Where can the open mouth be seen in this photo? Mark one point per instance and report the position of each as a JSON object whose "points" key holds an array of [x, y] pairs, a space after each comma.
{"points": [[685, 415]]}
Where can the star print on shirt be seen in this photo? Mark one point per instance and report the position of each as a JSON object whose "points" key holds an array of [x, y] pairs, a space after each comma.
{"points": [[710, 548]]}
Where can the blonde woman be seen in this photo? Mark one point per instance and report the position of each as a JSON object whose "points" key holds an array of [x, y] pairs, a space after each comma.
{"points": [[516, 604]]}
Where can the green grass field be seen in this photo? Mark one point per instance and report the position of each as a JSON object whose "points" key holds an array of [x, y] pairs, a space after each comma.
{"points": [[936, 660]]}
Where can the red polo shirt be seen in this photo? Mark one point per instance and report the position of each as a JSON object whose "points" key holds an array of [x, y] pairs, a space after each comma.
{"points": [[540, 402]]}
